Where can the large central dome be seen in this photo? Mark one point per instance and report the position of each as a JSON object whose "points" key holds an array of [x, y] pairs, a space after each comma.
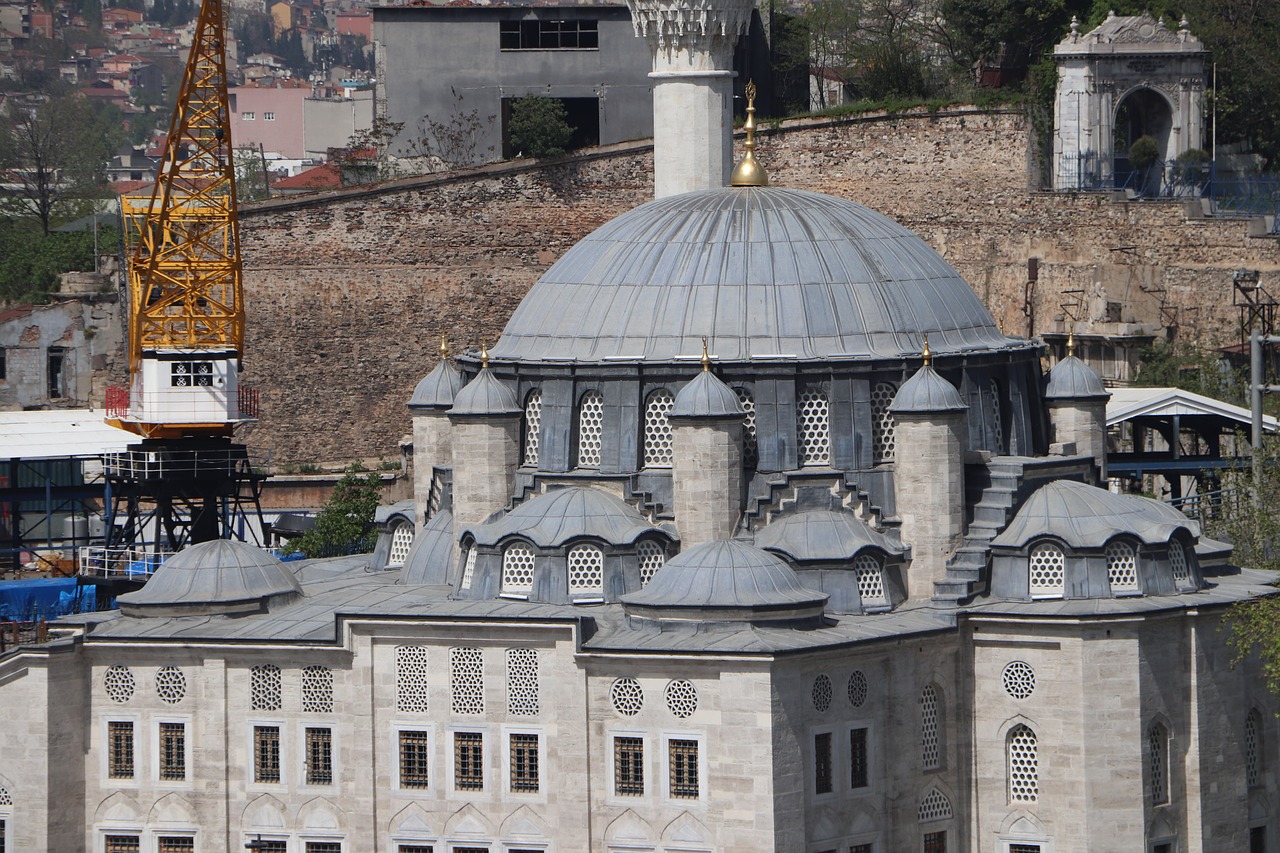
{"points": [[762, 272]]}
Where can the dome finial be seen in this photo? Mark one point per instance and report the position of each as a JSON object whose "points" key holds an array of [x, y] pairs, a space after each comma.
{"points": [[750, 173], [1071, 343], [444, 348], [925, 353], [706, 359], [484, 355]]}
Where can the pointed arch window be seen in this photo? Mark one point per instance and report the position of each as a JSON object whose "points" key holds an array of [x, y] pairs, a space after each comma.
{"points": [[657, 429], [401, 540], [1178, 563], [1122, 566], [652, 557], [517, 570], [532, 427], [1253, 749], [586, 571], [590, 429], [1158, 763], [931, 727], [870, 574], [1023, 764]]}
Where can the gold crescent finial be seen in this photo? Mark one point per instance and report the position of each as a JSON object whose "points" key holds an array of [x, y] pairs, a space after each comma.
{"points": [[926, 353], [1071, 343], [749, 173], [706, 359], [444, 347], [484, 355]]}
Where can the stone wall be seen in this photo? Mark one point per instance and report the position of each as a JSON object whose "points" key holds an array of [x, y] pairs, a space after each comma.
{"points": [[348, 291]]}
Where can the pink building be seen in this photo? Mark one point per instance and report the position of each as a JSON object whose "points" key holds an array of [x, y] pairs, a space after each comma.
{"points": [[270, 116], [356, 24]]}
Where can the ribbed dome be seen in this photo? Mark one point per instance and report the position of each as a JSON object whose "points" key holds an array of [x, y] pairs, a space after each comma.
{"points": [[214, 575], [761, 272], [430, 558], [1072, 379], [706, 397], [926, 391], [438, 388], [485, 395], [821, 535], [560, 516], [1085, 516]]}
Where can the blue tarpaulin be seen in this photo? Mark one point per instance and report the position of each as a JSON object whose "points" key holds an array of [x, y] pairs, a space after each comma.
{"points": [[45, 598]]}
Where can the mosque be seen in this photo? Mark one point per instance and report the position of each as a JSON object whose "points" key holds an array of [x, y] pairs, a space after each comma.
{"points": [[751, 532]]}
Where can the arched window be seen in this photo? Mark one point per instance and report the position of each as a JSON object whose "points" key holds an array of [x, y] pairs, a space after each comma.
{"points": [[934, 806], [1158, 763], [870, 572], [750, 448], [1024, 766], [930, 728], [882, 423], [657, 429], [590, 428], [401, 541], [1046, 571], [1122, 566], [1253, 749], [586, 571], [813, 427], [1178, 563], [517, 570], [532, 426], [652, 557]]}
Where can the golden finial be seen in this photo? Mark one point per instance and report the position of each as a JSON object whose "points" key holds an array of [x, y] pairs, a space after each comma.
{"points": [[484, 355], [1071, 343], [925, 353], [706, 359], [750, 173], [444, 348]]}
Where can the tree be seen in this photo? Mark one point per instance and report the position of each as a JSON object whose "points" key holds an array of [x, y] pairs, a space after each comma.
{"points": [[540, 127], [251, 175], [345, 524], [454, 142], [367, 159], [1021, 30], [30, 263]]}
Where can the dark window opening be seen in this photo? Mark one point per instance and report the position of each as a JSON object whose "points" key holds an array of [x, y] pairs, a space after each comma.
{"points": [[414, 760], [468, 761], [120, 756], [858, 758], [683, 755], [3, 366], [185, 374], [266, 753], [822, 763], [56, 359], [550, 35], [628, 766], [1257, 839], [524, 763], [582, 114], [319, 756], [935, 842]]}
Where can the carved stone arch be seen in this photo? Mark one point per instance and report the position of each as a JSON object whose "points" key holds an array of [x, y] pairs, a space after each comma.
{"points": [[686, 830], [320, 815], [1161, 827], [1120, 97], [826, 828], [172, 809], [1016, 720], [524, 822], [412, 820], [470, 822], [8, 793], [629, 828], [264, 812], [118, 808], [1259, 806], [1022, 823], [863, 818]]}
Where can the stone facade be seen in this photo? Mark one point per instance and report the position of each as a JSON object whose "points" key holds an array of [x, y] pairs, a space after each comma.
{"points": [[707, 479], [928, 481]]}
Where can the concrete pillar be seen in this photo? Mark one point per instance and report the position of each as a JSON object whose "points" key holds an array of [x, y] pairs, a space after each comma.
{"points": [[432, 444], [486, 448], [706, 462]]}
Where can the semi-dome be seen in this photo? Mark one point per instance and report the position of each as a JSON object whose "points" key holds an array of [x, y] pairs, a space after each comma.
{"points": [[762, 272], [223, 575], [562, 515], [430, 558]]}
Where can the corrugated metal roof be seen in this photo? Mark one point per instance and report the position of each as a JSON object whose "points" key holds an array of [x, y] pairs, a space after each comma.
{"points": [[58, 433]]}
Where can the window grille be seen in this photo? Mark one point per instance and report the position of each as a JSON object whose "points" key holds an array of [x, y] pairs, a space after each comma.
{"points": [[627, 697], [1024, 848], [6, 799], [549, 35], [1046, 571], [750, 445], [883, 425], [682, 698], [466, 676], [930, 739], [416, 848], [401, 542], [1122, 566], [870, 572], [822, 763], [411, 679], [532, 426], [122, 844], [683, 756], [1024, 766], [628, 766], [265, 687], [522, 681], [323, 846], [272, 845], [859, 759], [171, 684], [191, 374], [415, 759], [317, 690], [997, 423], [1158, 749], [822, 694], [1252, 753], [857, 688], [173, 752], [814, 427], [657, 429], [266, 754], [1178, 563], [590, 428], [119, 750], [586, 570], [176, 844], [319, 756], [1019, 679], [119, 683], [935, 842], [468, 761], [934, 806], [861, 848], [652, 557], [524, 764], [469, 568], [517, 570]]}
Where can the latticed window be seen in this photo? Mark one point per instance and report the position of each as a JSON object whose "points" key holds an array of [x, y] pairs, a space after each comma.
{"points": [[415, 759], [883, 426], [319, 742], [857, 688], [522, 681], [466, 678], [265, 687], [997, 424], [401, 541], [532, 426], [469, 567], [1024, 848], [859, 759], [590, 428], [657, 429], [652, 557], [468, 761], [271, 845], [1158, 763], [175, 844], [119, 683], [1252, 749], [317, 690], [822, 782], [121, 844], [586, 570], [524, 763], [930, 736], [628, 766], [326, 847], [173, 752], [750, 445], [627, 696], [1122, 566], [821, 693], [517, 570], [870, 573], [1024, 766], [1178, 563], [682, 698], [1046, 571], [266, 754], [934, 806], [171, 684], [119, 750], [412, 677], [1019, 679], [683, 758], [813, 427]]}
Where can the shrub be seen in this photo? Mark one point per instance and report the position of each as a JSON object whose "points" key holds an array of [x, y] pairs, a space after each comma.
{"points": [[539, 127]]}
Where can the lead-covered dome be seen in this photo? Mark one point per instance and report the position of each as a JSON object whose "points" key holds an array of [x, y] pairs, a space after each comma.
{"points": [[221, 576], [762, 272]]}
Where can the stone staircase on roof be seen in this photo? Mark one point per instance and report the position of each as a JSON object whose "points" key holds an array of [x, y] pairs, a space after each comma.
{"points": [[774, 493]]}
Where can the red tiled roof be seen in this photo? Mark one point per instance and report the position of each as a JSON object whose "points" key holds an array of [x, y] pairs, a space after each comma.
{"points": [[326, 176], [129, 187], [15, 313]]}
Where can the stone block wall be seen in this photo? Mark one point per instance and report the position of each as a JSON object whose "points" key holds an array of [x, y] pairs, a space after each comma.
{"points": [[707, 481]]}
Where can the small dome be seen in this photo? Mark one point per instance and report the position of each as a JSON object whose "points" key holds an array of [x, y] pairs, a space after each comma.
{"points": [[707, 397], [438, 388], [1085, 516], [486, 395], [725, 580], [1072, 379], [821, 535], [926, 391], [215, 576], [430, 558], [560, 516]]}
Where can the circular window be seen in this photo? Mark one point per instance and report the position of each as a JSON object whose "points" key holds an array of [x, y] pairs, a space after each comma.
{"points": [[682, 698], [627, 697], [118, 682], [1019, 679], [857, 688], [171, 684], [822, 693]]}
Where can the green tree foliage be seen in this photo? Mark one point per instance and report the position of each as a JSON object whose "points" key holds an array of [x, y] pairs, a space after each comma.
{"points": [[1167, 364], [1022, 29], [30, 262], [539, 127], [345, 525]]}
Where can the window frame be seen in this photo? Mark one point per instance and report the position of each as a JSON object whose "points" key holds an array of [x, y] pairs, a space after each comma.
{"points": [[869, 756], [139, 770], [432, 775], [646, 758], [508, 762], [485, 733], [833, 775], [158, 765], [103, 833], [304, 734], [251, 766], [163, 835], [699, 739]]}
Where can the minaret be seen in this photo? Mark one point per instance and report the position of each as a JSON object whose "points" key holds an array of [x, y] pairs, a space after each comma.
{"points": [[432, 447], [692, 43]]}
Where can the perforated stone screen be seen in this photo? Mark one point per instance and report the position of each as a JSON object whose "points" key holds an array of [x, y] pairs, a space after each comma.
{"points": [[750, 447], [264, 684], [1047, 571], [814, 427], [930, 737], [532, 426], [590, 428], [682, 698], [401, 540], [822, 694], [171, 684], [1024, 766], [412, 678], [522, 681], [1178, 562], [469, 568], [1252, 725], [996, 423], [1019, 679], [6, 799], [870, 574], [119, 683], [627, 696], [657, 429], [1158, 758], [586, 570], [934, 806], [857, 688], [1122, 566], [652, 557], [466, 680], [883, 425], [317, 690], [517, 570]]}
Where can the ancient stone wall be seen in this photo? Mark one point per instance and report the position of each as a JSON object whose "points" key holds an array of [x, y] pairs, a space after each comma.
{"points": [[347, 292]]}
